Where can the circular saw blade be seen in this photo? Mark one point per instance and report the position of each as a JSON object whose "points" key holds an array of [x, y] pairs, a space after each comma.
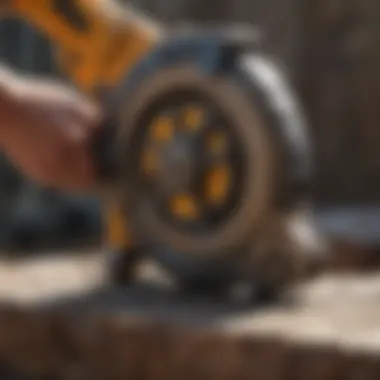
{"points": [[268, 152]]}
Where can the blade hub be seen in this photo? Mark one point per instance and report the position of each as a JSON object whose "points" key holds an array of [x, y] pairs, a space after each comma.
{"points": [[177, 167]]}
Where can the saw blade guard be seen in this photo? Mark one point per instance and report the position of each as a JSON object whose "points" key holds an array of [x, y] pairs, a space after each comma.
{"points": [[213, 143]]}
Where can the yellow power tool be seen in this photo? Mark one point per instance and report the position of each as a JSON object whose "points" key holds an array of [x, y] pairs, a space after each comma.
{"points": [[205, 144]]}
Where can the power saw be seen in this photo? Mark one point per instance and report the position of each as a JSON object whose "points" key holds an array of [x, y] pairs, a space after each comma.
{"points": [[205, 150]]}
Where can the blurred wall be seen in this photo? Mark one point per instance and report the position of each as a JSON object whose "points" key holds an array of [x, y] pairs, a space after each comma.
{"points": [[339, 79], [25, 48]]}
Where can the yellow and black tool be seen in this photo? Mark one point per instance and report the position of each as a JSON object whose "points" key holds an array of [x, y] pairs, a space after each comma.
{"points": [[206, 141]]}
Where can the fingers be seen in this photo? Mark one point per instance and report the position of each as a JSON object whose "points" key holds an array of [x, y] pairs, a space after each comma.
{"points": [[74, 156], [77, 162], [62, 98], [85, 117], [70, 169]]}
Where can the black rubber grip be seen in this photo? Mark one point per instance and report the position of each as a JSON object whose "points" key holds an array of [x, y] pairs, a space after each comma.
{"points": [[72, 14]]}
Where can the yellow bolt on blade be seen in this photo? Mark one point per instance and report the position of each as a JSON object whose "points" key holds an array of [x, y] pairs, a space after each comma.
{"points": [[184, 206], [193, 118], [162, 129], [217, 185]]}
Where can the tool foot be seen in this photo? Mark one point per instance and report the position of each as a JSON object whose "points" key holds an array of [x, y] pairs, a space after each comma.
{"points": [[122, 266], [202, 287]]}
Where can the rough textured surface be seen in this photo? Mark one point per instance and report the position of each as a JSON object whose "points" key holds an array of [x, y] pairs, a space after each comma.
{"points": [[77, 330], [339, 79]]}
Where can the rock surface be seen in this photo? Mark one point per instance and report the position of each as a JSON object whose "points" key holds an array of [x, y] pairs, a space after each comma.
{"points": [[65, 323]]}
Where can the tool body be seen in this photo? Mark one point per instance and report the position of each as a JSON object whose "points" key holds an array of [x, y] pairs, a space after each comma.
{"points": [[217, 150], [209, 145]]}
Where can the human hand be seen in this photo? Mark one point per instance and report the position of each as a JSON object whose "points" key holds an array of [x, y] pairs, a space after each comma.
{"points": [[48, 132]]}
